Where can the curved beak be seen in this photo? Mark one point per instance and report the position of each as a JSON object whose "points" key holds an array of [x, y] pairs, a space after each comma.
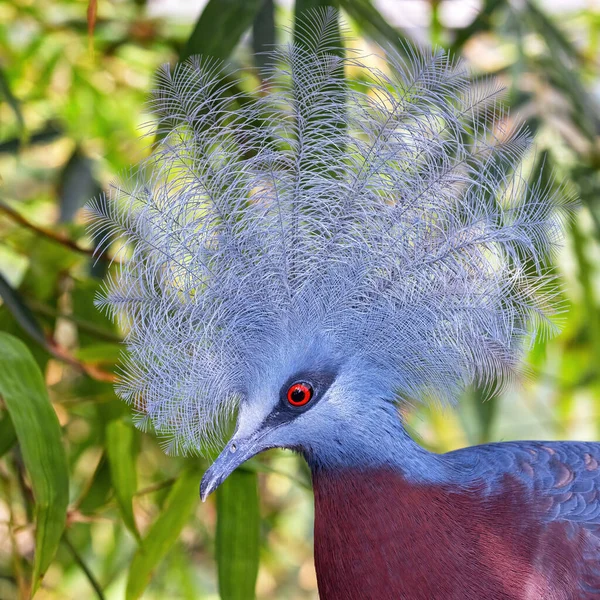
{"points": [[236, 452]]}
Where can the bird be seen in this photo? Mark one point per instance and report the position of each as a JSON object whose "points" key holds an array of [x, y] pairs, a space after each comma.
{"points": [[366, 234]]}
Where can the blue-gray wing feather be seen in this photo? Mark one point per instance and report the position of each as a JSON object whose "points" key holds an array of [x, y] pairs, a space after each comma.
{"points": [[563, 479]]}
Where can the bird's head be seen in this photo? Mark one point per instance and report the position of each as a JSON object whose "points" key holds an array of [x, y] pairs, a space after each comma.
{"points": [[326, 408], [298, 262]]}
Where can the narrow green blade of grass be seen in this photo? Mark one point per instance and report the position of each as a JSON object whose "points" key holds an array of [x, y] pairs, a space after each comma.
{"points": [[121, 453], [39, 436], [163, 534], [220, 27], [237, 538]]}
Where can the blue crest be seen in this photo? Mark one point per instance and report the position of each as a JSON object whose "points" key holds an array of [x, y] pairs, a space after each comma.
{"points": [[385, 221]]}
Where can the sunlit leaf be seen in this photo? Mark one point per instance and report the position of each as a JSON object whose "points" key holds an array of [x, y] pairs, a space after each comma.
{"points": [[238, 528], [99, 353], [39, 436], [178, 508]]}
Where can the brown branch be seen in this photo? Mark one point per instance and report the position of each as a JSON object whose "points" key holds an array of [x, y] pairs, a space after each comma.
{"points": [[52, 235]]}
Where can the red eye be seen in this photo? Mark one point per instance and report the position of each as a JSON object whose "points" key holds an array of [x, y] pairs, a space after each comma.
{"points": [[299, 394]]}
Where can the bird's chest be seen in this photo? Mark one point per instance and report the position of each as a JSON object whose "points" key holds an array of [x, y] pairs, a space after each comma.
{"points": [[378, 536]]}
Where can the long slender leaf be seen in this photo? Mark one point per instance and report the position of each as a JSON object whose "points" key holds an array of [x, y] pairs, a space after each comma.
{"points": [[486, 409], [20, 311], [77, 185], [164, 532], [220, 27], [263, 32], [374, 25], [11, 100], [97, 492], [49, 133], [217, 32], [120, 449], [237, 538], [555, 37], [39, 435]]}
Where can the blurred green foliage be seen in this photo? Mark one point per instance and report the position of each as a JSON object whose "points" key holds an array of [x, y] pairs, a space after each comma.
{"points": [[71, 108]]}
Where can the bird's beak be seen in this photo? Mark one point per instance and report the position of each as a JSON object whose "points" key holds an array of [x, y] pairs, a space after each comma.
{"points": [[237, 451]]}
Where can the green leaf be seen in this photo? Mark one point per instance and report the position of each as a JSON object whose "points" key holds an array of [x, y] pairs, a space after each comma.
{"points": [[100, 353], [374, 25], [554, 36], [563, 69], [77, 185], [39, 436], [50, 133], [486, 409], [121, 453], [7, 94], [8, 435], [263, 33], [20, 311], [238, 535], [98, 491], [179, 507], [220, 27]]}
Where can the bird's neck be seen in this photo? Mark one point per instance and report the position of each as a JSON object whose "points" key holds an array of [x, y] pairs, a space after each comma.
{"points": [[386, 446]]}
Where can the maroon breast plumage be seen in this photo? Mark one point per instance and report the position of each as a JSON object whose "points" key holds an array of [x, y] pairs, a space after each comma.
{"points": [[379, 536]]}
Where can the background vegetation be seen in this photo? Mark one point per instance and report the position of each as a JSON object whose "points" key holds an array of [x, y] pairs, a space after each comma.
{"points": [[86, 498]]}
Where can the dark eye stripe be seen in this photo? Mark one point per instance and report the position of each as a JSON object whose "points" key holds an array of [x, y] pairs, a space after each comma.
{"points": [[285, 411]]}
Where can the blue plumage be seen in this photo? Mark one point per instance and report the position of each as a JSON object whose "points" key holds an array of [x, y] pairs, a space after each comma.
{"points": [[386, 225], [307, 261]]}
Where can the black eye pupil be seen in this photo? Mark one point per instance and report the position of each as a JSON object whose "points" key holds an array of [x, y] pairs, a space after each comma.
{"points": [[298, 395]]}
